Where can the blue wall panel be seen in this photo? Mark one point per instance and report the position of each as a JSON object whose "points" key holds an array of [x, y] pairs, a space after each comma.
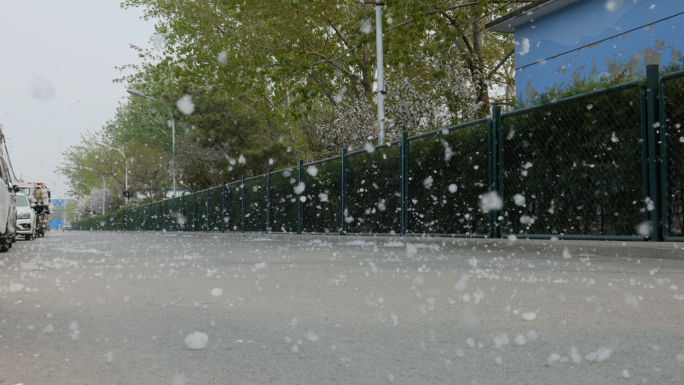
{"points": [[593, 38]]}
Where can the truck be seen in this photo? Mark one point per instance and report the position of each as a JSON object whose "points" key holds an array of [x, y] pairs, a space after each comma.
{"points": [[38, 195]]}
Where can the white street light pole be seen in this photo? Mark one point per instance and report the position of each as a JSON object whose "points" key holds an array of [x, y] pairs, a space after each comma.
{"points": [[380, 67], [125, 161], [104, 193], [173, 133]]}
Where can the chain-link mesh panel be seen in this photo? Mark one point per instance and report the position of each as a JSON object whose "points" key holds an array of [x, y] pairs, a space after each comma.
{"points": [[164, 214], [674, 142], [255, 204], [284, 200], [127, 219], [234, 206], [151, 217], [145, 218], [215, 195], [322, 190], [156, 214], [373, 190], [195, 206], [141, 218], [575, 168], [201, 215], [183, 205], [176, 216], [119, 220], [448, 174]]}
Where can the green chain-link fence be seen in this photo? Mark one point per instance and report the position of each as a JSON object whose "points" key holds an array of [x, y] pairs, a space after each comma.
{"points": [[321, 207], [284, 200], [374, 190], [580, 167], [255, 203], [448, 172], [575, 168], [672, 121]]}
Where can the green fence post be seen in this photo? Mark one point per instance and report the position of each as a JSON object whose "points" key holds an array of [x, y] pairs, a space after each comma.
{"points": [[183, 212], [208, 212], [654, 166], [343, 193], [500, 220], [490, 158], [223, 207], [403, 179], [644, 153], [268, 201], [194, 210], [299, 198], [243, 203], [664, 141], [497, 169]]}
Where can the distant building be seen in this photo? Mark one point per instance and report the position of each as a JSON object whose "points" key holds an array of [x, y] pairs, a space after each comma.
{"points": [[558, 42]]}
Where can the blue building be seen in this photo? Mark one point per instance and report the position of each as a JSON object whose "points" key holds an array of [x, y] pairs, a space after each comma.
{"points": [[558, 42]]}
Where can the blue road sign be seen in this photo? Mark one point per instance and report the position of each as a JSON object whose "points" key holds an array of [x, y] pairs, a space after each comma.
{"points": [[58, 202]]}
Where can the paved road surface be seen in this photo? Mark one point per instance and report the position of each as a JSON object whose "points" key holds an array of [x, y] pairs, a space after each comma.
{"points": [[103, 308]]}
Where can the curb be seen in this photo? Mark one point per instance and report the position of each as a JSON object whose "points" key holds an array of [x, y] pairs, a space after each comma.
{"points": [[619, 249]]}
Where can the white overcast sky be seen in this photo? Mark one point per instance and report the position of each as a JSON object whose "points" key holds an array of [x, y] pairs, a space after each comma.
{"points": [[57, 63]]}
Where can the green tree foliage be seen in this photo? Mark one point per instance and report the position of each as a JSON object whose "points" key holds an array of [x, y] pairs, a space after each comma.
{"points": [[294, 62], [225, 140], [148, 168], [280, 80]]}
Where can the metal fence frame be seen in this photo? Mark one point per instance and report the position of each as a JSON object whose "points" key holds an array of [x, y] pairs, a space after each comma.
{"points": [[500, 170], [664, 142], [160, 215]]}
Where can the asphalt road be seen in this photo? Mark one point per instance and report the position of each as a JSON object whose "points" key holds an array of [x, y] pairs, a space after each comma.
{"points": [[104, 308]]}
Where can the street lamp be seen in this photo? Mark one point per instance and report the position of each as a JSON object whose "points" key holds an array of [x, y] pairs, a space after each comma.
{"points": [[173, 133], [380, 68], [125, 162]]}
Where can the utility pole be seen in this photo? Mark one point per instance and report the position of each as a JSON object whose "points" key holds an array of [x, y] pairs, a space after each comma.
{"points": [[381, 80]]}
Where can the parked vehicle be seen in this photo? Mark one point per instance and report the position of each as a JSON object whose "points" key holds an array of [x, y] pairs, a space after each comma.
{"points": [[8, 210], [38, 195], [66, 227], [26, 218]]}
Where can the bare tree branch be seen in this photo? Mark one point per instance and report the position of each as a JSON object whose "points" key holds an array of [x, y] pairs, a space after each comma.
{"points": [[432, 13], [344, 40], [505, 58]]}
